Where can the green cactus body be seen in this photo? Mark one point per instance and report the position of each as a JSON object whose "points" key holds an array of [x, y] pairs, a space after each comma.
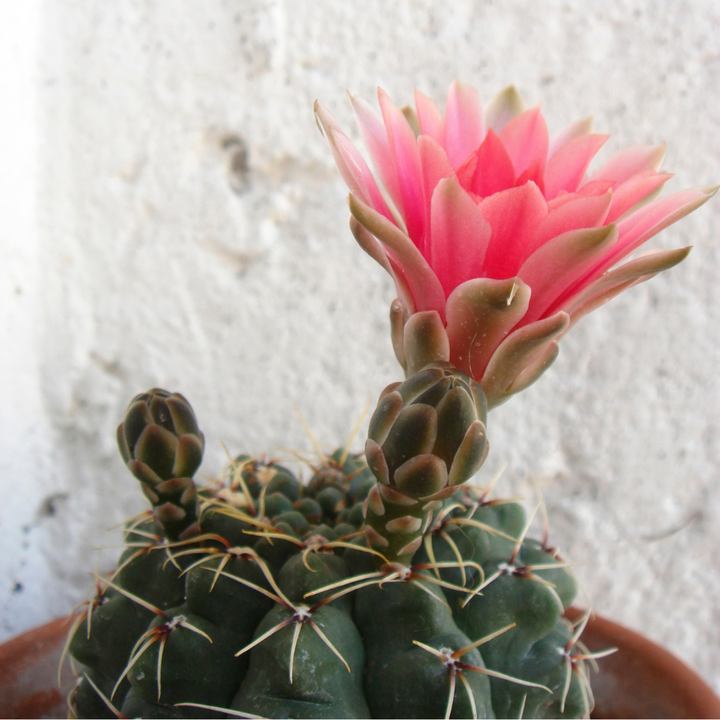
{"points": [[300, 675], [276, 598], [393, 620], [86, 700]]}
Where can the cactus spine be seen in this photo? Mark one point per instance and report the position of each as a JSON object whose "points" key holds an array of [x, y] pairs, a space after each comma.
{"points": [[386, 588]]}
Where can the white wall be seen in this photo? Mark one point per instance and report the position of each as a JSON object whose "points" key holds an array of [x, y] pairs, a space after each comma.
{"points": [[133, 258]]}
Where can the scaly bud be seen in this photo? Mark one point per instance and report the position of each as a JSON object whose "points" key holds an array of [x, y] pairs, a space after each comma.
{"points": [[426, 438], [162, 446]]}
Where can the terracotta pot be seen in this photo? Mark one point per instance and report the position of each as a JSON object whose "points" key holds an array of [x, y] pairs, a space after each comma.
{"points": [[29, 673], [641, 680]]}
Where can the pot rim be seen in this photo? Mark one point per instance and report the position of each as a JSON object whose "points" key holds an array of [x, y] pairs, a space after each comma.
{"points": [[673, 683]]}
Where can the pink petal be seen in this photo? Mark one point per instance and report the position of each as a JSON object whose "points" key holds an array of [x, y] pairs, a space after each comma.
{"points": [[480, 314], [425, 288], [575, 130], [632, 191], [353, 168], [459, 235], [514, 215], [642, 267], [578, 212], [604, 297], [375, 138], [594, 187], [533, 173], [435, 166], [489, 169], [526, 140], [384, 257], [637, 229], [567, 166], [464, 123], [430, 118], [630, 161], [403, 148], [552, 268]]}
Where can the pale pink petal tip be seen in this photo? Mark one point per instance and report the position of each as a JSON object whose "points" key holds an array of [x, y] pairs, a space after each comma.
{"points": [[572, 131], [630, 161], [526, 141], [374, 135], [353, 168], [430, 118], [464, 123], [404, 152]]}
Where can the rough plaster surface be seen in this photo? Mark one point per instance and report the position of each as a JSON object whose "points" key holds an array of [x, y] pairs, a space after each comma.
{"points": [[183, 226]]}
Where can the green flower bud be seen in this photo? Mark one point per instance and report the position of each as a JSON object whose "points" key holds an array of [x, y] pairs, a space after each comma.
{"points": [[162, 446], [426, 437]]}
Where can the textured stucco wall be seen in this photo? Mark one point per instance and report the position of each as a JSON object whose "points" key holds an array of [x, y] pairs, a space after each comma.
{"points": [[176, 220]]}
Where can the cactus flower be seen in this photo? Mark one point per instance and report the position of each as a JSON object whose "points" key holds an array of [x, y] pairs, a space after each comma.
{"points": [[497, 236]]}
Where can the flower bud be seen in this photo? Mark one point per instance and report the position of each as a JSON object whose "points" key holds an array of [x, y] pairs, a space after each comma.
{"points": [[162, 446], [426, 437]]}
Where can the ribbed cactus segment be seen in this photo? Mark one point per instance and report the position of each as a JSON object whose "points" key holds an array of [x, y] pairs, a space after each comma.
{"points": [[318, 684], [88, 703], [161, 444], [299, 636], [285, 602], [426, 438], [524, 588], [187, 642], [402, 623]]}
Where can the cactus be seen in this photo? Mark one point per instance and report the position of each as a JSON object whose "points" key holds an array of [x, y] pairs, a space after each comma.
{"points": [[388, 585], [382, 588]]}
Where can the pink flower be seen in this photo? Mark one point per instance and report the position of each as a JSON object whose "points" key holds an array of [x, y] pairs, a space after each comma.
{"points": [[497, 236]]}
